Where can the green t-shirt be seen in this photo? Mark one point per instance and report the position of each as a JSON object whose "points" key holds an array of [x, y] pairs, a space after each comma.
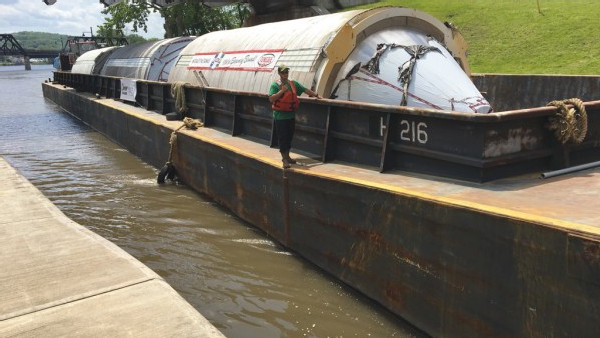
{"points": [[285, 115]]}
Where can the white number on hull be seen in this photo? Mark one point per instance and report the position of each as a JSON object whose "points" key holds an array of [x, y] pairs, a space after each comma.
{"points": [[413, 132]]}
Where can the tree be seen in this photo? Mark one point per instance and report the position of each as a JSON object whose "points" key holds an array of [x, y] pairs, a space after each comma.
{"points": [[132, 39], [132, 11], [192, 17], [196, 18]]}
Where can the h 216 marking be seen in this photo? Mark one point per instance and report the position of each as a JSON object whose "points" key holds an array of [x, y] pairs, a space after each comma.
{"points": [[410, 131]]}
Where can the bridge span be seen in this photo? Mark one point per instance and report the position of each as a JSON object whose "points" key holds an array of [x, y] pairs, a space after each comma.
{"points": [[76, 45], [10, 46]]}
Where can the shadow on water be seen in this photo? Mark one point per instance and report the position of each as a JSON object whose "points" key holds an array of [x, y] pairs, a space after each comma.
{"points": [[244, 283]]}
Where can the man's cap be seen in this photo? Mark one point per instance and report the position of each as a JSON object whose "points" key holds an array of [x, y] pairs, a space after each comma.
{"points": [[282, 68]]}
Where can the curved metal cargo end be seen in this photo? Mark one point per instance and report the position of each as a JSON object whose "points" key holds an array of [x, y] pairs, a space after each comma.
{"points": [[150, 60], [92, 62], [368, 22]]}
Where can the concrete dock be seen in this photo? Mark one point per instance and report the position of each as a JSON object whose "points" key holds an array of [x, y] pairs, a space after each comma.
{"points": [[60, 279]]}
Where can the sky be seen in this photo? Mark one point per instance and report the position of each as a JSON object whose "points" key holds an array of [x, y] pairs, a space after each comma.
{"points": [[69, 17]]}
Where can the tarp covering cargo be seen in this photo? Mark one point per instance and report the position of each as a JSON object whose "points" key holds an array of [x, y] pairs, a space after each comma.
{"points": [[421, 65], [415, 70]]}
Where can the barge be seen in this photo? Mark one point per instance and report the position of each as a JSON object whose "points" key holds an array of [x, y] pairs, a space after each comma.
{"points": [[458, 222]]}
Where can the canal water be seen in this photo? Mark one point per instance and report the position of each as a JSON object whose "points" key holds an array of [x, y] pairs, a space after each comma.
{"points": [[241, 281]]}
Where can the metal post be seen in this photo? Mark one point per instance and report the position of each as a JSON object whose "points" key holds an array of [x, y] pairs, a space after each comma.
{"points": [[570, 170]]}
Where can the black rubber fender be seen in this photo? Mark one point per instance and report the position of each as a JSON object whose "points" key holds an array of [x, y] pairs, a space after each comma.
{"points": [[171, 173], [166, 172], [174, 116]]}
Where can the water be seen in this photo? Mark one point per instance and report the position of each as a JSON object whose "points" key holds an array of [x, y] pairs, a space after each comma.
{"points": [[242, 282]]}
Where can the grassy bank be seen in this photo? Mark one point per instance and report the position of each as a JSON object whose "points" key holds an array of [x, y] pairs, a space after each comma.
{"points": [[514, 37]]}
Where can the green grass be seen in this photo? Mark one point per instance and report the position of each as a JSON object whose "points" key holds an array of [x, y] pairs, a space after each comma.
{"points": [[513, 37]]}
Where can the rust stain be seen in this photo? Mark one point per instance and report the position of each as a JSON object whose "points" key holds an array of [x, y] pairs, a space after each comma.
{"points": [[239, 191], [591, 253], [394, 295], [476, 324]]}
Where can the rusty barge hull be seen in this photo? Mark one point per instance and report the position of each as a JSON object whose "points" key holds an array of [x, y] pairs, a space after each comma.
{"points": [[515, 256]]}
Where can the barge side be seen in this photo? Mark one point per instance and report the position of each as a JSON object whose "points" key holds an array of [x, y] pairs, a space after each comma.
{"points": [[512, 257]]}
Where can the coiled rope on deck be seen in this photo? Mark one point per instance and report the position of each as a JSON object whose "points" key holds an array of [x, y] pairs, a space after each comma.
{"points": [[569, 124], [168, 170], [178, 93]]}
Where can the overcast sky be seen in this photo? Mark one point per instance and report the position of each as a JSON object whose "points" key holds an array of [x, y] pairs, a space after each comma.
{"points": [[69, 17]]}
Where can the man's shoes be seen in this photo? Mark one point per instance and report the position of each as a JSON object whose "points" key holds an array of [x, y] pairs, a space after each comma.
{"points": [[286, 163], [286, 155]]}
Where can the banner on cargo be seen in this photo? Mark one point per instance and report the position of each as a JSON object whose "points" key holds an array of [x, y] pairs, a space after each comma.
{"points": [[128, 89], [250, 60]]}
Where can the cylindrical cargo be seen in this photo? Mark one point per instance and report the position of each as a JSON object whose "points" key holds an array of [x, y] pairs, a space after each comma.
{"points": [[149, 60], [385, 55], [165, 56], [92, 62]]}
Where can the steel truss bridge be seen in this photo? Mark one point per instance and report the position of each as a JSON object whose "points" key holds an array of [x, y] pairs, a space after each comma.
{"points": [[75, 45], [10, 46]]}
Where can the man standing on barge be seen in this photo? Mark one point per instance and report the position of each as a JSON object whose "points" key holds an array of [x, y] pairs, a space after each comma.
{"points": [[283, 95]]}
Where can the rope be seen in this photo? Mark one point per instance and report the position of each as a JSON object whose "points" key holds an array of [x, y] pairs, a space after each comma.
{"points": [[373, 65], [178, 93], [189, 123], [569, 124], [348, 78], [406, 70]]}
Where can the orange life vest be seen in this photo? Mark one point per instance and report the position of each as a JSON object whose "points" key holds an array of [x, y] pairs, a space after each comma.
{"points": [[289, 101]]}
